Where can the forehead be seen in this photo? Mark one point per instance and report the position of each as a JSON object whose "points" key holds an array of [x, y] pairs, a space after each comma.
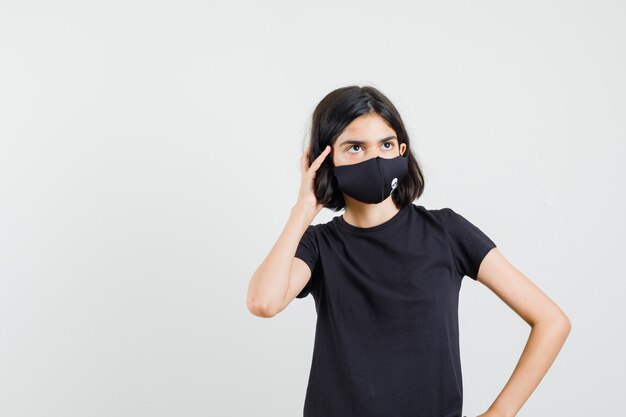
{"points": [[369, 127]]}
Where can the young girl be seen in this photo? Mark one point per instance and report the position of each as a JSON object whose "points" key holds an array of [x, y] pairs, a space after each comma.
{"points": [[386, 275]]}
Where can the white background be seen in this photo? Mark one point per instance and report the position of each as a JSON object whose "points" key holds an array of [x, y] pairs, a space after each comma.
{"points": [[149, 160]]}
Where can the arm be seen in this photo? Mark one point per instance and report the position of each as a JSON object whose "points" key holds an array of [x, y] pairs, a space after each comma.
{"points": [[269, 289], [549, 330], [269, 285]]}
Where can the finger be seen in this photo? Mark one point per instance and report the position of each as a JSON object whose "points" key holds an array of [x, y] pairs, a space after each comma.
{"points": [[318, 161], [304, 165]]}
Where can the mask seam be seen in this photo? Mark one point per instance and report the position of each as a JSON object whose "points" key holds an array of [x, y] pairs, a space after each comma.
{"points": [[381, 179]]}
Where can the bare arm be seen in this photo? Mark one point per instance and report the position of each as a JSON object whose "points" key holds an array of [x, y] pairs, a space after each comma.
{"points": [[269, 288], [550, 327], [270, 282]]}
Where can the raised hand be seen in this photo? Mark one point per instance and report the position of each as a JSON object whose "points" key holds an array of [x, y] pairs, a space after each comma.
{"points": [[306, 195]]}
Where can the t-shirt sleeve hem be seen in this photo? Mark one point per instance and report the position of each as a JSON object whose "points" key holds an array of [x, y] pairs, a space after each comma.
{"points": [[306, 260], [474, 274]]}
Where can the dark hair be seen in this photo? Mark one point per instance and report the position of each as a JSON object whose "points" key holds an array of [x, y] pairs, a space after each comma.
{"points": [[331, 116]]}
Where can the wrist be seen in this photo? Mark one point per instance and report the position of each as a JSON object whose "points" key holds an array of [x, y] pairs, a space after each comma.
{"points": [[304, 210]]}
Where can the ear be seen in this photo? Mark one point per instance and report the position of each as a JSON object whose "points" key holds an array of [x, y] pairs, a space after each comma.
{"points": [[402, 148]]}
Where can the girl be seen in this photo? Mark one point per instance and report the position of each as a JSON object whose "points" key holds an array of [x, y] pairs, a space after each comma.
{"points": [[386, 275]]}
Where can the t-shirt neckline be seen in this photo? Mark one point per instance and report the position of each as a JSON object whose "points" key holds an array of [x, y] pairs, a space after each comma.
{"points": [[396, 217]]}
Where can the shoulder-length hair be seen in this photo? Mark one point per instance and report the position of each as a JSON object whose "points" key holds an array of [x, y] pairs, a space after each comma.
{"points": [[331, 116]]}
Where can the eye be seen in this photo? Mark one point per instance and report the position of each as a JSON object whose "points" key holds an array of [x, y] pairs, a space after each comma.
{"points": [[388, 143], [353, 146]]}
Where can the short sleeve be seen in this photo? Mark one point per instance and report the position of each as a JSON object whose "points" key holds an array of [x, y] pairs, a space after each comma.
{"points": [[469, 244], [308, 251]]}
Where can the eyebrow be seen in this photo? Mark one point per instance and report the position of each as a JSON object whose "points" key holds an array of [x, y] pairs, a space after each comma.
{"points": [[360, 142]]}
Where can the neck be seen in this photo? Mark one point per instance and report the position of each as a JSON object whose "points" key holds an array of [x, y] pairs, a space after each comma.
{"points": [[368, 215]]}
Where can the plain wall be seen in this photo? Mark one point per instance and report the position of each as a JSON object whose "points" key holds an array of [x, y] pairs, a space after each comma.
{"points": [[149, 158]]}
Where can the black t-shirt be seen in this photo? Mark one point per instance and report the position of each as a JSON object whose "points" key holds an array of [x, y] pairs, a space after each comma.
{"points": [[386, 297]]}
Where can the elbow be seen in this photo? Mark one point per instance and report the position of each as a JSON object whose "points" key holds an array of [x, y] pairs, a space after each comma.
{"points": [[565, 325], [561, 325], [259, 309], [263, 312], [558, 323]]}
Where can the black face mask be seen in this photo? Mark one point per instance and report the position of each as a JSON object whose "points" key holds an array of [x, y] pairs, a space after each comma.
{"points": [[372, 181]]}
